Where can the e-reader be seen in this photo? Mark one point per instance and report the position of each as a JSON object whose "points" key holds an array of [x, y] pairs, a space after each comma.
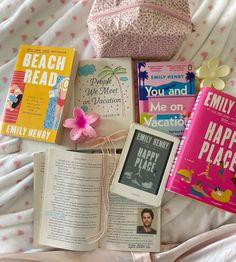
{"points": [[144, 165]]}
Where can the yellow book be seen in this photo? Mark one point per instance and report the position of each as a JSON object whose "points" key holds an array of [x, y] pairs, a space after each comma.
{"points": [[40, 88]]}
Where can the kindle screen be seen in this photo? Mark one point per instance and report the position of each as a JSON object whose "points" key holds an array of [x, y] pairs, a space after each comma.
{"points": [[146, 161]]}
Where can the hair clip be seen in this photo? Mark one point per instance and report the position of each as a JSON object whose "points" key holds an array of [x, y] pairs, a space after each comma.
{"points": [[82, 125]]}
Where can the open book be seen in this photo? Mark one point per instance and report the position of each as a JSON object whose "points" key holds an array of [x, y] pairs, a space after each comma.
{"points": [[69, 206]]}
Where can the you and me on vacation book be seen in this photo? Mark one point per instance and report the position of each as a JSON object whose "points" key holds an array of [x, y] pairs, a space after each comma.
{"points": [[69, 203]]}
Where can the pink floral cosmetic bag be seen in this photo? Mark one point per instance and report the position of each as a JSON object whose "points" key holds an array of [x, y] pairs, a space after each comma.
{"points": [[138, 28]]}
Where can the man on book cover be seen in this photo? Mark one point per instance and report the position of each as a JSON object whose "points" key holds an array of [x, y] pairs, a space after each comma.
{"points": [[147, 217]]}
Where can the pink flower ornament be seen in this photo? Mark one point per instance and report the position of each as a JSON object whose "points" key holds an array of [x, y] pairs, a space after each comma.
{"points": [[82, 125]]}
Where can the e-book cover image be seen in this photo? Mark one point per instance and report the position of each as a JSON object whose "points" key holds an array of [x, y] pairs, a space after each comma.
{"points": [[146, 162]]}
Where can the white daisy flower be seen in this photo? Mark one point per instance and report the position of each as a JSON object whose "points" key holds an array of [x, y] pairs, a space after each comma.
{"points": [[210, 72]]}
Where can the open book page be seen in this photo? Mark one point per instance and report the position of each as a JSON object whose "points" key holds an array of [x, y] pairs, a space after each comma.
{"points": [[39, 162], [126, 227], [71, 208], [71, 200], [132, 226]]}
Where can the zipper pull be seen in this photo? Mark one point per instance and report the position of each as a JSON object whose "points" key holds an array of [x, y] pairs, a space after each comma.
{"points": [[193, 27]]}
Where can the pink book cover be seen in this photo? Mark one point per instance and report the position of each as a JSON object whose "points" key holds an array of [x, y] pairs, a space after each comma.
{"points": [[156, 79], [168, 114], [205, 165]]}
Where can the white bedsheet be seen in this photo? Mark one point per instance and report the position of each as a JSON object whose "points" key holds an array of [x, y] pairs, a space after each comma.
{"points": [[63, 23]]}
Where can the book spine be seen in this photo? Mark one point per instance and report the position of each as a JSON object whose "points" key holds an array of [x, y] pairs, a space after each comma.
{"points": [[138, 93], [186, 136]]}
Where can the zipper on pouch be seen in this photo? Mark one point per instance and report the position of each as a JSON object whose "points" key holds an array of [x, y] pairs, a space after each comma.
{"points": [[162, 9]]}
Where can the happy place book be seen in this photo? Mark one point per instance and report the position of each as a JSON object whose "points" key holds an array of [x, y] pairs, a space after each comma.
{"points": [[205, 166], [41, 83], [166, 94], [105, 86]]}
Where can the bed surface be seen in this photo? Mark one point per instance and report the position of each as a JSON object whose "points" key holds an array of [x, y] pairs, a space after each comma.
{"points": [[198, 230]]}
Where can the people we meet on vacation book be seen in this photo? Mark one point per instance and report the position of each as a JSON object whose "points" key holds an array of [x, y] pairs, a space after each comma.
{"points": [[72, 210], [39, 93], [106, 86], [205, 166]]}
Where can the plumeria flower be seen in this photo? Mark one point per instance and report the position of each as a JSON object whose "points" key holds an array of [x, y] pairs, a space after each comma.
{"points": [[210, 72], [82, 125]]}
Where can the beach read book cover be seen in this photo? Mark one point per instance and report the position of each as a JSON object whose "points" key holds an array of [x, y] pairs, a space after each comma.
{"points": [[205, 166], [105, 86], [36, 100]]}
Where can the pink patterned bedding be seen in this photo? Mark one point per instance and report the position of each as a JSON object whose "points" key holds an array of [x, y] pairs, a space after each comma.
{"points": [[198, 231]]}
